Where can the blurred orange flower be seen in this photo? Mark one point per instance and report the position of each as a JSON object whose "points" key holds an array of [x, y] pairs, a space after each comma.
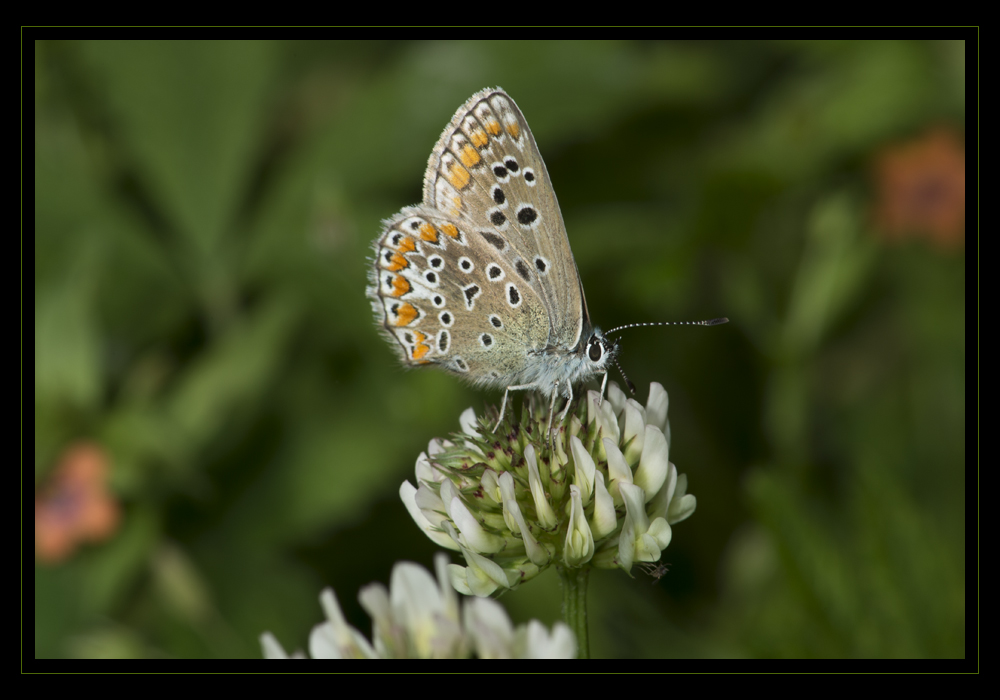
{"points": [[75, 506], [921, 189]]}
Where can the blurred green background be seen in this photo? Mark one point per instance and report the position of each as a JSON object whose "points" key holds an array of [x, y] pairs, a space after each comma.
{"points": [[203, 218]]}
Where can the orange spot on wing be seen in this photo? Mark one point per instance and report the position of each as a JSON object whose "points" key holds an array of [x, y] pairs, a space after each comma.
{"points": [[407, 245], [400, 286], [493, 126], [397, 263], [420, 348], [479, 138], [514, 130], [469, 156], [450, 230], [406, 314], [458, 176], [428, 232]]}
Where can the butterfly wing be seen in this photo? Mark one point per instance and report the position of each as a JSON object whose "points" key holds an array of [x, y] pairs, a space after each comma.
{"points": [[486, 170], [445, 297]]}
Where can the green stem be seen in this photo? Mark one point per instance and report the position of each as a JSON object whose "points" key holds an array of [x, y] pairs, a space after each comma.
{"points": [[574, 607]]}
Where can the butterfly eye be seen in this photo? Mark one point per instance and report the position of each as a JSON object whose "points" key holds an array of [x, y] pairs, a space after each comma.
{"points": [[596, 350]]}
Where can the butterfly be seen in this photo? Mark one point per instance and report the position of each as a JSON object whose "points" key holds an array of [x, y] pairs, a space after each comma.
{"points": [[479, 278]]}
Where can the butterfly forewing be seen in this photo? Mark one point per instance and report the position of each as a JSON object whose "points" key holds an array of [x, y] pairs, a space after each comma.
{"points": [[486, 170]]}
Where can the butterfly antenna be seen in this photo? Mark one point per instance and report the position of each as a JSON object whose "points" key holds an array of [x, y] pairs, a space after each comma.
{"points": [[628, 382], [712, 322]]}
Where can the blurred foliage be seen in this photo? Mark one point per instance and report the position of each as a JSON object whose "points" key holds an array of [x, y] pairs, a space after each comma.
{"points": [[203, 217]]}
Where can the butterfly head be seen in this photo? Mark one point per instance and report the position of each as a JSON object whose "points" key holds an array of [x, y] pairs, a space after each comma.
{"points": [[600, 351]]}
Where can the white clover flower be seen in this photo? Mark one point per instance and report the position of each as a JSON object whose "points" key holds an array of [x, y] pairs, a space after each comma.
{"points": [[421, 617], [600, 491]]}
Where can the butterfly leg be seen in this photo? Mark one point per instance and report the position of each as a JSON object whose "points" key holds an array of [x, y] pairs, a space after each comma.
{"points": [[503, 404], [604, 385], [568, 394], [552, 410], [569, 399]]}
